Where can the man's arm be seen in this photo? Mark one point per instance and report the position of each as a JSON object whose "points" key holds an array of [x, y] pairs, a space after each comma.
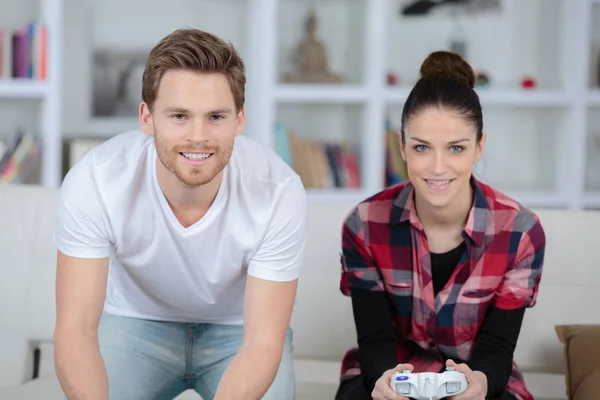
{"points": [[83, 238], [270, 292], [80, 291], [267, 312]]}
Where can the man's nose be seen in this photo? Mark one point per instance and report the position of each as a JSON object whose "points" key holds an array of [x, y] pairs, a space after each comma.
{"points": [[198, 132]]}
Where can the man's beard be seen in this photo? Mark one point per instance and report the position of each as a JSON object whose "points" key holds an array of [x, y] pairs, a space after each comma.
{"points": [[190, 176]]}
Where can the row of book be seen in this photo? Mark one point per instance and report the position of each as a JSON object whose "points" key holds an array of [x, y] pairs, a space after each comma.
{"points": [[395, 166], [320, 165], [24, 52], [19, 156]]}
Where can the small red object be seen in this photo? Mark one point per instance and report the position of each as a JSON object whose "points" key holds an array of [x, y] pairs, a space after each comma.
{"points": [[391, 79], [528, 83]]}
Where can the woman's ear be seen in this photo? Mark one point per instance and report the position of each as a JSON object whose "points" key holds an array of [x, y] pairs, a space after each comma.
{"points": [[402, 145], [480, 147]]}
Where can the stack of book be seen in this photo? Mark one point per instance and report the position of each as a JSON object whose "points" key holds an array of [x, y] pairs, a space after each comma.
{"points": [[23, 52], [320, 165]]}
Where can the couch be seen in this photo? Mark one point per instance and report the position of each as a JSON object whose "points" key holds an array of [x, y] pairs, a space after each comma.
{"points": [[322, 320]]}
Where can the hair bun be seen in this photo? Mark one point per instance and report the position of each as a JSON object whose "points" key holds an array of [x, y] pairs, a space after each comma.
{"points": [[448, 64]]}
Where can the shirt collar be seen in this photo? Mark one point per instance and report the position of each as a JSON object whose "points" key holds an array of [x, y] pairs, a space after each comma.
{"points": [[403, 210]]}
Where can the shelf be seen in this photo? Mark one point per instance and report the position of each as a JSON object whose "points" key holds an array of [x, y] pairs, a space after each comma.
{"points": [[339, 94], [501, 98], [342, 195], [22, 88]]}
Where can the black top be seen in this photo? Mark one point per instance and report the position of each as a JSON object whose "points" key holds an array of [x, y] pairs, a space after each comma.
{"points": [[493, 347]]}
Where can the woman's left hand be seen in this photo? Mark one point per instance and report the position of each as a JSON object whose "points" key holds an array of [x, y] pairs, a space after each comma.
{"points": [[476, 382]]}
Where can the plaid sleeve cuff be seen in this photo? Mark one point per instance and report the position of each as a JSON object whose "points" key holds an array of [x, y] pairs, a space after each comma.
{"points": [[358, 268], [521, 283]]}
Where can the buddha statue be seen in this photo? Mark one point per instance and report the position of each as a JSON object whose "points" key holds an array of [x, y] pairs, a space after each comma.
{"points": [[310, 58]]}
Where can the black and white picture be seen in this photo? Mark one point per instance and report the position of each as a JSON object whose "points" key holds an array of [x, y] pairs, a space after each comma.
{"points": [[117, 82]]}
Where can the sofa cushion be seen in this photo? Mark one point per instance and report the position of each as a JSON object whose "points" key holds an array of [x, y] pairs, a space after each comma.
{"points": [[15, 367], [581, 352], [589, 388]]}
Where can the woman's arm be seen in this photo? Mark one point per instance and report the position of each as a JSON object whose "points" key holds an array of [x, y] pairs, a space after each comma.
{"points": [[497, 339], [375, 332], [362, 281], [494, 347]]}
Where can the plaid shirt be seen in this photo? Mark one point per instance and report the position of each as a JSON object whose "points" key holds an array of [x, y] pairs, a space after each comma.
{"points": [[385, 249]]}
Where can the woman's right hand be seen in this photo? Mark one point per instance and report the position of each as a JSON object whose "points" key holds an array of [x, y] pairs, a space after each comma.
{"points": [[383, 390]]}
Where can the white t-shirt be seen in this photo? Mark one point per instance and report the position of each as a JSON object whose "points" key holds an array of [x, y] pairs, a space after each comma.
{"points": [[112, 206]]}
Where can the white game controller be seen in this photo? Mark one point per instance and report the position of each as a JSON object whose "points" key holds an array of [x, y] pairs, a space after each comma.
{"points": [[429, 385]]}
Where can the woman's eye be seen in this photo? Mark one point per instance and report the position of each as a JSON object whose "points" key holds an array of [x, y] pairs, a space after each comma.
{"points": [[457, 149], [420, 147]]}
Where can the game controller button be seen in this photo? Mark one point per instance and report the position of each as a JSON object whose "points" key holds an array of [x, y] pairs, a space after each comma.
{"points": [[403, 388], [406, 371], [402, 378], [452, 387]]}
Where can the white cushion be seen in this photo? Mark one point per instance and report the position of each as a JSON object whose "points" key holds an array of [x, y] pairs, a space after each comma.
{"points": [[15, 365], [28, 260]]}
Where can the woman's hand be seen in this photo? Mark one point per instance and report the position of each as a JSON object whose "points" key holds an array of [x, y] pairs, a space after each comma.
{"points": [[383, 390], [476, 382]]}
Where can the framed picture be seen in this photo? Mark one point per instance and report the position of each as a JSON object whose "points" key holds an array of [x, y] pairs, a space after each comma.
{"points": [[117, 82]]}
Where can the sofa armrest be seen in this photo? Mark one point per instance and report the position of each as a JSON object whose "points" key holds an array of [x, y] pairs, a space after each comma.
{"points": [[16, 361]]}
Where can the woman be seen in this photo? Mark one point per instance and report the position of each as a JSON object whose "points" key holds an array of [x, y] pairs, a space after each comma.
{"points": [[440, 268]]}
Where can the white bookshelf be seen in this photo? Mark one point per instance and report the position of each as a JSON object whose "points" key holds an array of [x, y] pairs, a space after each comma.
{"points": [[47, 93], [539, 145]]}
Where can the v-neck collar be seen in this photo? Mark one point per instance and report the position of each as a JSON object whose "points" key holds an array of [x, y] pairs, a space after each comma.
{"points": [[166, 208]]}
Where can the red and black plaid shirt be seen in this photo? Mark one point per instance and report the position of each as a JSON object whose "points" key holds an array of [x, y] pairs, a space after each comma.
{"points": [[385, 249]]}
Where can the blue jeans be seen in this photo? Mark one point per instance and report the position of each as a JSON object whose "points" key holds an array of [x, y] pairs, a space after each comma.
{"points": [[152, 360]]}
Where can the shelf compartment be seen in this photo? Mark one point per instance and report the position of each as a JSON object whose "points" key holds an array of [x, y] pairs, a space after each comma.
{"points": [[525, 37], [323, 143], [522, 153], [337, 45]]}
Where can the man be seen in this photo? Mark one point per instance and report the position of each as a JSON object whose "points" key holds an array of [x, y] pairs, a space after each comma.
{"points": [[179, 248]]}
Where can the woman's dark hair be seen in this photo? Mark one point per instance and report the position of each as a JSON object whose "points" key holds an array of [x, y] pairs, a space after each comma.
{"points": [[446, 81]]}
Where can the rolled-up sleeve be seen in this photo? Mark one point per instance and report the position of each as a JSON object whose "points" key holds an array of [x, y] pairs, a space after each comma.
{"points": [[520, 285], [359, 271]]}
